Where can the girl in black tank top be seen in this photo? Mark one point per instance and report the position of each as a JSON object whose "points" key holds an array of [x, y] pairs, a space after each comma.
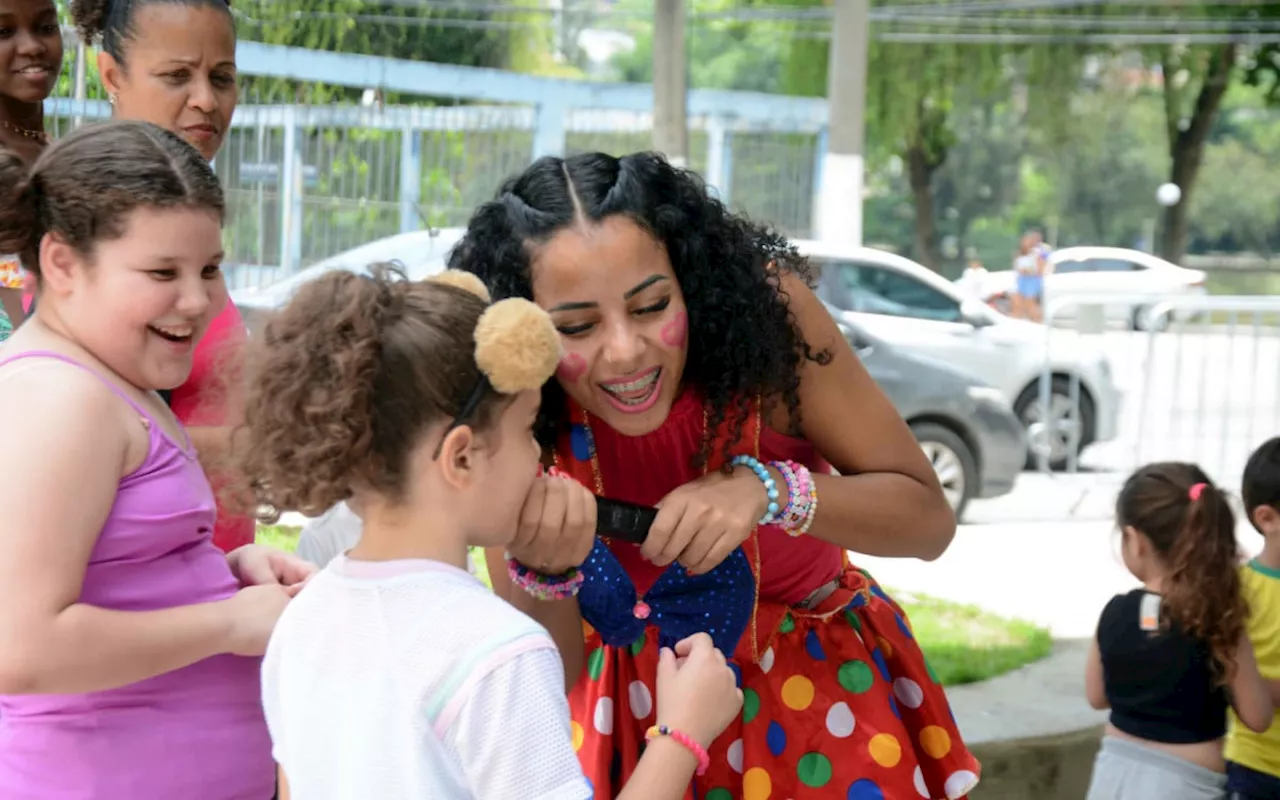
{"points": [[1171, 656]]}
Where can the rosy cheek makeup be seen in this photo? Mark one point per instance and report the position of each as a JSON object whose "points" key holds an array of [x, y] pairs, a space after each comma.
{"points": [[675, 332], [572, 368]]}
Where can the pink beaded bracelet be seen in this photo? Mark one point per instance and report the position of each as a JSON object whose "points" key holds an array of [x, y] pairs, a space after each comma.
{"points": [[686, 741], [545, 587], [797, 516]]}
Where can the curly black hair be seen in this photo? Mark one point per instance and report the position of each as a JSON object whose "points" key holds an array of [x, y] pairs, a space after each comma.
{"points": [[744, 341]]}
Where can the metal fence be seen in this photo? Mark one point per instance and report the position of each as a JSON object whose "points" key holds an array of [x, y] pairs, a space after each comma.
{"points": [[1199, 379], [305, 182]]}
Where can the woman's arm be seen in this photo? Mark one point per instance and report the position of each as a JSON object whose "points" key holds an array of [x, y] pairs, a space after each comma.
{"points": [[886, 501], [561, 618], [1250, 695], [75, 441]]}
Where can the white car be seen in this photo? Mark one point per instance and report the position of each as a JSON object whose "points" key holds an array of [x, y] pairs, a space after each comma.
{"points": [[1103, 271], [421, 253], [911, 306]]}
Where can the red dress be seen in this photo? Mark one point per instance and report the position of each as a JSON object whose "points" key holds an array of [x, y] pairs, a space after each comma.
{"points": [[205, 400], [839, 700]]}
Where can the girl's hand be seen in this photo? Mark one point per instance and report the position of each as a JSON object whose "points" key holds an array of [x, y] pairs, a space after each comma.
{"points": [[702, 522], [253, 612], [255, 565], [698, 693], [557, 525]]}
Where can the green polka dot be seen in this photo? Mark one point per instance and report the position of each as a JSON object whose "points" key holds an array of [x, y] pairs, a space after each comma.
{"points": [[866, 574], [814, 770], [637, 645], [853, 621], [788, 624], [855, 676], [719, 794], [595, 663], [750, 705]]}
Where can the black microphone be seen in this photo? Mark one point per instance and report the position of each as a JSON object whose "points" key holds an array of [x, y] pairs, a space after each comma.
{"points": [[626, 522]]}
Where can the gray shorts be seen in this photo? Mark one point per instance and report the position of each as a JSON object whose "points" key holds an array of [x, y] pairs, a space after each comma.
{"points": [[1126, 770]]}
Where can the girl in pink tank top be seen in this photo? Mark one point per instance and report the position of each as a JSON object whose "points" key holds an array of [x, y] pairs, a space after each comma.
{"points": [[129, 644]]}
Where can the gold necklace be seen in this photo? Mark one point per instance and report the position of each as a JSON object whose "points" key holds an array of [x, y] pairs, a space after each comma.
{"points": [[39, 136]]}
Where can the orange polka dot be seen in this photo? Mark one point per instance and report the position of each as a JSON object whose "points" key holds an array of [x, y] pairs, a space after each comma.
{"points": [[756, 784], [797, 692], [577, 733], [885, 647], [935, 741], [885, 750]]}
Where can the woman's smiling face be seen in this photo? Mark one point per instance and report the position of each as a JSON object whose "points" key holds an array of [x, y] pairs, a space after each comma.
{"points": [[613, 295]]}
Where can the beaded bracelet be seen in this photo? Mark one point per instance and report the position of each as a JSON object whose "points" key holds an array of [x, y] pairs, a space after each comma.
{"points": [[683, 739], [770, 485], [802, 498], [545, 587]]}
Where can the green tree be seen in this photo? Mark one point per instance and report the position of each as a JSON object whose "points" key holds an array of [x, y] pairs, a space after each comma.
{"points": [[1195, 82]]}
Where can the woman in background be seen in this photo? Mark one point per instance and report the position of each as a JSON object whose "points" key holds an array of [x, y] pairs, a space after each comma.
{"points": [[173, 63], [30, 61]]}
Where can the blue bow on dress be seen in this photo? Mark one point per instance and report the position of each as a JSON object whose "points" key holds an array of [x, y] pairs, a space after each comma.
{"points": [[718, 603]]}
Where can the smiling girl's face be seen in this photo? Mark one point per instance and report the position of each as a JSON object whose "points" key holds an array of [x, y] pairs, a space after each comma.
{"points": [[613, 295], [30, 49]]}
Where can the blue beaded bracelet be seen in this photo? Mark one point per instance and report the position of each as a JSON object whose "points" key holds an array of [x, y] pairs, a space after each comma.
{"points": [[770, 486]]}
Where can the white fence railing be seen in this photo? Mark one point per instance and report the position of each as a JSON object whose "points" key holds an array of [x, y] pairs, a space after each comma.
{"points": [[1199, 377]]}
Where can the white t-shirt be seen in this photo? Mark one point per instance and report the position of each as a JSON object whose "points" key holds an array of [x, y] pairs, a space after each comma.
{"points": [[410, 679]]}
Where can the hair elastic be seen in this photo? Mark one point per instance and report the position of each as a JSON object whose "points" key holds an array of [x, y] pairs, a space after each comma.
{"points": [[685, 740], [1196, 490]]}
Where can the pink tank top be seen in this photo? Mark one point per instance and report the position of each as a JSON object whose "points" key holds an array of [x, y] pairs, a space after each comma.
{"points": [[196, 732]]}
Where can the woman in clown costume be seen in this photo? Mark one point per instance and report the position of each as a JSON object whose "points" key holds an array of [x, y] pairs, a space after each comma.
{"points": [[702, 376]]}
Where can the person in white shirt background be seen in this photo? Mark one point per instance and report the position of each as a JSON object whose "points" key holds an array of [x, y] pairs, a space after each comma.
{"points": [[395, 673]]}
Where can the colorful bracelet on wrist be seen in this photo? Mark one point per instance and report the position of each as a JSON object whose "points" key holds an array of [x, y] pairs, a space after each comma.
{"points": [[545, 587], [802, 498], [770, 486], [684, 740]]}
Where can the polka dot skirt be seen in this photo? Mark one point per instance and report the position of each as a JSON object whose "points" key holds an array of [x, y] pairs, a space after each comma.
{"points": [[842, 704]]}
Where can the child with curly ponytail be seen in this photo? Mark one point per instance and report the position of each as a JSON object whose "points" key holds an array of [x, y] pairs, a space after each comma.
{"points": [[396, 673], [1172, 656]]}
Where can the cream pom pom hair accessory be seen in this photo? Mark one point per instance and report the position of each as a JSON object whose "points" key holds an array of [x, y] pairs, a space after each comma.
{"points": [[517, 345]]}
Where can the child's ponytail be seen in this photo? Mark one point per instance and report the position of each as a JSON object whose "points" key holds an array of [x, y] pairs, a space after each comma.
{"points": [[1190, 523]]}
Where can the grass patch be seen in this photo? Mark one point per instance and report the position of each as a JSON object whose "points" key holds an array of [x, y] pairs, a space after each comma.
{"points": [[281, 537], [965, 644]]}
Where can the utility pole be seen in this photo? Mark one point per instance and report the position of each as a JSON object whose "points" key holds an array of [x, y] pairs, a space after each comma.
{"points": [[840, 195], [670, 127]]}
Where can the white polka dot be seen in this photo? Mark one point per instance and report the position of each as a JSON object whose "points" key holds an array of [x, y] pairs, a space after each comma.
{"points": [[908, 692], [603, 718], [641, 699], [734, 756], [840, 722], [766, 661], [921, 787], [960, 783]]}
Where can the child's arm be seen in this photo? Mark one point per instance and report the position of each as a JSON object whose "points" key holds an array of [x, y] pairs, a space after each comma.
{"points": [[75, 445], [282, 784], [1095, 687], [561, 618], [514, 739], [1254, 704]]}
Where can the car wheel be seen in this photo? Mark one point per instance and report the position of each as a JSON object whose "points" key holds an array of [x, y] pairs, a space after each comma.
{"points": [[1063, 430], [952, 462], [1140, 320]]}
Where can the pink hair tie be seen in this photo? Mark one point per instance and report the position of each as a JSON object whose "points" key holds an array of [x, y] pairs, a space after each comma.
{"points": [[1195, 491]]}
